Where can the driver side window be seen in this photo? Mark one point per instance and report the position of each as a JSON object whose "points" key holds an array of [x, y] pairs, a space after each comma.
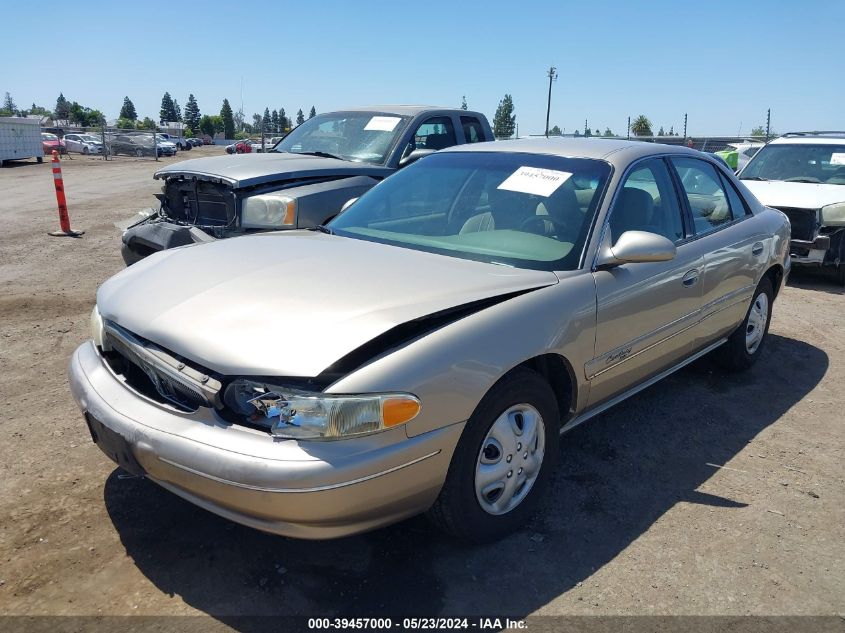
{"points": [[433, 133], [648, 202]]}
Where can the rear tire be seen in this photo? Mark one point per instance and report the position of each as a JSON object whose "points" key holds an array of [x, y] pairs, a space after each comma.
{"points": [[494, 482], [85, 150], [743, 347]]}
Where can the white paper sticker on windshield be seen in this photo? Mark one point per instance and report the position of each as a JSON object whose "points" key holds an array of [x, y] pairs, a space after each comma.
{"points": [[382, 123], [536, 181], [837, 158]]}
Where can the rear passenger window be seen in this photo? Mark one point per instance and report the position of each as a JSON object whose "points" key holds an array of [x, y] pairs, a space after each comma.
{"points": [[738, 208], [648, 202], [473, 132], [704, 192]]}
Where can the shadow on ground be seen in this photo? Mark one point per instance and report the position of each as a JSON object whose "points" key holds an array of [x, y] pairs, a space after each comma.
{"points": [[617, 475], [817, 279]]}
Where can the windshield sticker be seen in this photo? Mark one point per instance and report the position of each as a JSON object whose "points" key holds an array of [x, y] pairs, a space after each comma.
{"points": [[837, 158], [383, 123], [536, 181]]}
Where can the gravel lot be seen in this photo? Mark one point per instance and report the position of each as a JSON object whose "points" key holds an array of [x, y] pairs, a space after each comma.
{"points": [[706, 494]]}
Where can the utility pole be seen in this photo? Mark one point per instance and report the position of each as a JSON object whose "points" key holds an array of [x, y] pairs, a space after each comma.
{"points": [[552, 77], [586, 128], [685, 127], [629, 128], [768, 123]]}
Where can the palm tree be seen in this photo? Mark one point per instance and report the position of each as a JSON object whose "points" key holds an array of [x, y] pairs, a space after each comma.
{"points": [[641, 126]]}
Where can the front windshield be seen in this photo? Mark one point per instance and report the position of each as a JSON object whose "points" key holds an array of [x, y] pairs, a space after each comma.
{"points": [[522, 210], [90, 139], [49, 137], [356, 136], [804, 162]]}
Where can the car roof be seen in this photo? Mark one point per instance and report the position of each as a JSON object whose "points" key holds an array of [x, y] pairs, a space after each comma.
{"points": [[402, 110], [621, 151], [810, 138]]}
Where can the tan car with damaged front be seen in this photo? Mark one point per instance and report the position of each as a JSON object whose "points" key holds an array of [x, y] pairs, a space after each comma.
{"points": [[425, 350]]}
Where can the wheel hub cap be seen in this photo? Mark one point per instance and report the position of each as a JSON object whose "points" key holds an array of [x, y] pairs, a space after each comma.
{"points": [[510, 459], [757, 319]]}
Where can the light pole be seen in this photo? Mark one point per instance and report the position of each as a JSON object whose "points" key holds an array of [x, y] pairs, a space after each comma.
{"points": [[552, 77]]}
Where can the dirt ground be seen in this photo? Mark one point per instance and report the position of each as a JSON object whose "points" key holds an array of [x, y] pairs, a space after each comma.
{"points": [[706, 494]]}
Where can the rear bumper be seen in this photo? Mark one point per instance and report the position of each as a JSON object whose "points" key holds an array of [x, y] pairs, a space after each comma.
{"points": [[299, 489]]}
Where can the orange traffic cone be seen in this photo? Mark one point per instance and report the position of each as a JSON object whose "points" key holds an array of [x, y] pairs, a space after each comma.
{"points": [[64, 220]]}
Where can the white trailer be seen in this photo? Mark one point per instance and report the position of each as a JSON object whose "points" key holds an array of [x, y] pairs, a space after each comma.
{"points": [[20, 138]]}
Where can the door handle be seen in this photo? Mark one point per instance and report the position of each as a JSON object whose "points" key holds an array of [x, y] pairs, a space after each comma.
{"points": [[757, 249], [691, 278]]}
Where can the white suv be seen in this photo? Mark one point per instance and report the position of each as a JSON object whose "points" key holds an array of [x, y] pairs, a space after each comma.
{"points": [[803, 175]]}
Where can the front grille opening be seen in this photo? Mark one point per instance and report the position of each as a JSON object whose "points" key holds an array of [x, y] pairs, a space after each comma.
{"points": [[141, 382]]}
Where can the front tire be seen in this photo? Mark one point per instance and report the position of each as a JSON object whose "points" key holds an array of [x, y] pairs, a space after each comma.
{"points": [[743, 347], [503, 460]]}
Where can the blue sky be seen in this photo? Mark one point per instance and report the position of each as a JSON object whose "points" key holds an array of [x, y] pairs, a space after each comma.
{"points": [[722, 62]]}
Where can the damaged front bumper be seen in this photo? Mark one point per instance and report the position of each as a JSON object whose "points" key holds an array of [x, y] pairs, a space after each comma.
{"points": [[154, 235], [316, 489]]}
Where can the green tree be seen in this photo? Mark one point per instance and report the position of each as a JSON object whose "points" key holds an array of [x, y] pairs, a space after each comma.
{"points": [[168, 109], [671, 130], [504, 121], [192, 113], [641, 126], [219, 125], [577, 133], [464, 106], [9, 105], [35, 109], [597, 133], [256, 121], [147, 124], [300, 118], [760, 130], [265, 120], [62, 111], [608, 132], [206, 125], [125, 124], [228, 119], [274, 120], [555, 131], [660, 132], [313, 112], [177, 110], [128, 110], [284, 122]]}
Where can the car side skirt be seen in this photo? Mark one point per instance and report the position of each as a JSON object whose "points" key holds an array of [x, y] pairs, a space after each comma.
{"points": [[580, 419]]}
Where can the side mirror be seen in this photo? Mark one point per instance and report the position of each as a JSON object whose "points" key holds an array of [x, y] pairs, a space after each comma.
{"points": [[414, 156], [346, 205], [635, 247]]}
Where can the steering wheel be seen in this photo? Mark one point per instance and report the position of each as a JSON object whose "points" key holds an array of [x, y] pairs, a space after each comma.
{"points": [[535, 224]]}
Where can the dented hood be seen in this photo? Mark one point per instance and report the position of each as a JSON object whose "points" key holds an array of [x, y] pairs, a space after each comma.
{"points": [[796, 195], [249, 170], [291, 303]]}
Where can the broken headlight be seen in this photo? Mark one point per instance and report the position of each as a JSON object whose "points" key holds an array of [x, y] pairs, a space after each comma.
{"points": [[268, 211], [297, 414], [833, 214]]}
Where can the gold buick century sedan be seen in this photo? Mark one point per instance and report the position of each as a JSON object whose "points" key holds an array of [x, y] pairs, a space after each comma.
{"points": [[424, 351]]}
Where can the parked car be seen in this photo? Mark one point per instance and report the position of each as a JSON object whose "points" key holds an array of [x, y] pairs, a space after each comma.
{"points": [[268, 143], [737, 155], [168, 148], [803, 175], [50, 142], [195, 142], [243, 146], [139, 145], [179, 142], [426, 348], [303, 181], [83, 143]]}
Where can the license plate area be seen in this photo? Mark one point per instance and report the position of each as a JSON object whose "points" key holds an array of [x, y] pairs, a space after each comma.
{"points": [[113, 445]]}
